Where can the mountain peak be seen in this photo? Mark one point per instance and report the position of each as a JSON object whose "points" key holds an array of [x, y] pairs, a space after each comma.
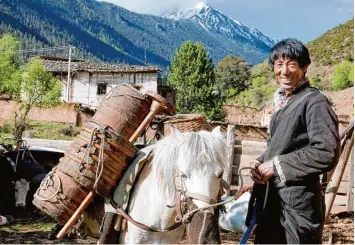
{"points": [[198, 9], [214, 21]]}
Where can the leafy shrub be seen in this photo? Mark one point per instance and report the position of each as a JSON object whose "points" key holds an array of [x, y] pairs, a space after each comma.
{"points": [[316, 82], [341, 74], [69, 130]]}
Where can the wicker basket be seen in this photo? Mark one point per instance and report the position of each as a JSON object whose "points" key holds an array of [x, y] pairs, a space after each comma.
{"points": [[186, 123]]}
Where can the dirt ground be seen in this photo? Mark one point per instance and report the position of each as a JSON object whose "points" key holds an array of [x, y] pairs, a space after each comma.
{"points": [[34, 229]]}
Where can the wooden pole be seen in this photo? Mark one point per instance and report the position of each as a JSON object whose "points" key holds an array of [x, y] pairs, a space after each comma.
{"points": [[76, 215], [350, 194], [154, 109], [227, 175], [69, 77], [333, 185]]}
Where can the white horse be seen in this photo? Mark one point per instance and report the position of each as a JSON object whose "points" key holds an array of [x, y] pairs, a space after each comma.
{"points": [[198, 160]]}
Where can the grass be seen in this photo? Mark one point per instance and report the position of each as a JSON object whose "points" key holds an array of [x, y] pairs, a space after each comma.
{"points": [[41, 226], [43, 130]]}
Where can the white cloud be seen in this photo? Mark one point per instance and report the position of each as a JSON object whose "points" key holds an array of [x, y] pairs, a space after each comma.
{"points": [[155, 7]]}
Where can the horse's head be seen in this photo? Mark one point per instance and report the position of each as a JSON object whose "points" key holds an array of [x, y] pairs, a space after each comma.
{"points": [[190, 166]]}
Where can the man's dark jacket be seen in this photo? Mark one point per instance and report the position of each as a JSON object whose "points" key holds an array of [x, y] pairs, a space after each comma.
{"points": [[303, 144]]}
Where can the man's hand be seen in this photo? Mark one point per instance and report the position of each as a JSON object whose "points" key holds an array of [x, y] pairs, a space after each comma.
{"points": [[255, 174], [266, 170]]}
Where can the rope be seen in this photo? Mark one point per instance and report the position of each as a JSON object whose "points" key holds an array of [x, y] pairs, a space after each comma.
{"points": [[46, 182], [87, 153], [100, 164], [189, 214]]}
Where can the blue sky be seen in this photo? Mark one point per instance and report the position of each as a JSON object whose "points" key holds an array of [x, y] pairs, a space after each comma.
{"points": [[302, 19]]}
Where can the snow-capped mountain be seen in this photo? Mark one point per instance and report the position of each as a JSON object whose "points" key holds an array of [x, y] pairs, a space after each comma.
{"points": [[215, 22]]}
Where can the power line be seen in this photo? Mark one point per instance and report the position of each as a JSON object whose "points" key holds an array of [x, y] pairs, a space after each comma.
{"points": [[34, 50]]}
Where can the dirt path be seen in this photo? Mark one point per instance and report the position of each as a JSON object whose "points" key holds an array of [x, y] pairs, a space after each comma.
{"points": [[34, 229]]}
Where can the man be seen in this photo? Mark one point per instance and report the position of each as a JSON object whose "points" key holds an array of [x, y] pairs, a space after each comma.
{"points": [[303, 143]]}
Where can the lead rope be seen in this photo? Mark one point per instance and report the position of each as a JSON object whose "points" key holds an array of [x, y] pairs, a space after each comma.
{"points": [[189, 214]]}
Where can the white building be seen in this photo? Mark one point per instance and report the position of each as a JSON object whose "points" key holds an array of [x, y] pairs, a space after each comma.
{"points": [[89, 82]]}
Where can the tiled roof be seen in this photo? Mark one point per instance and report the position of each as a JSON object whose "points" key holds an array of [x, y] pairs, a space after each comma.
{"points": [[62, 66]]}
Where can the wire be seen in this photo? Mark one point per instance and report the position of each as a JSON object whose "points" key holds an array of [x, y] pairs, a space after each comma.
{"points": [[35, 50]]}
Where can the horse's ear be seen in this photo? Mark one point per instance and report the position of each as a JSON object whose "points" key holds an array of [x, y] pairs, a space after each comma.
{"points": [[217, 130], [174, 130]]}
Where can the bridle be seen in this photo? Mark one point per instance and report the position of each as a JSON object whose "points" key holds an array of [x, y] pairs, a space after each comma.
{"points": [[183, 205]]}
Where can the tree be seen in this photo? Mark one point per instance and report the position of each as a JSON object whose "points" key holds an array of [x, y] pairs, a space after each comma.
{"points": [[261, 90], [233, 76], [38, 89], [9, 71], [192, 74], [316, 82], [340, 79]]}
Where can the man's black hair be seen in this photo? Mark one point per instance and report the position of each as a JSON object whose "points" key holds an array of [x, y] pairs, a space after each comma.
{"points": [[290, 48]]}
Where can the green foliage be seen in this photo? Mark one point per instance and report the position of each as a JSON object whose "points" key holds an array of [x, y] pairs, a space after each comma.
{"points": [[334, 46], [39, 88], [42, 130], [9, 71], [259, 81], [262, 70], [192, 74], [232, 76], [351, 75], [316, 82], [69, 130], [341, 75], [31, 85], [256, 97], [261, 89]]}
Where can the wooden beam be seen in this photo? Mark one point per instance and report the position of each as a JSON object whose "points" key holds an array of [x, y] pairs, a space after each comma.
{"points": [[227, 175], [333, 185], [350, 194]]}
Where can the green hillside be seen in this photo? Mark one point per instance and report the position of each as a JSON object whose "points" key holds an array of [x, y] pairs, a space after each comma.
{"points": [[334, 45]]}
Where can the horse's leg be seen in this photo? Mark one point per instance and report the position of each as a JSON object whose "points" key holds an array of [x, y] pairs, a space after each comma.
{"points": [[108, 234]]}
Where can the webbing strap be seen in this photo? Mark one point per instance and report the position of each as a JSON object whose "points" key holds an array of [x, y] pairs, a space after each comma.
{"points": [[251, 227]]}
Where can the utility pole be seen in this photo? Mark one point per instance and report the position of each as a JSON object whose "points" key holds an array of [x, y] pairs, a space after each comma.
{"points": [[145, 56], [69, 77]]}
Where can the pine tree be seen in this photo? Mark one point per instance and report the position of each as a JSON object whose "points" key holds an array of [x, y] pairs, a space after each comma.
{"points": [[192, 74]]}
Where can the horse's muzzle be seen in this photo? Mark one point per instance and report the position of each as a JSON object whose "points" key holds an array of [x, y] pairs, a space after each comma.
{"points": [[203, 229]]}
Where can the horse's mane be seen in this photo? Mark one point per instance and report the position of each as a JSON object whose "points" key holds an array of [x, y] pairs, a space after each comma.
{"points": [[193, 149]]}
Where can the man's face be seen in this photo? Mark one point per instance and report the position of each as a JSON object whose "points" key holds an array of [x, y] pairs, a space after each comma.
{"points": [[288, 72]]}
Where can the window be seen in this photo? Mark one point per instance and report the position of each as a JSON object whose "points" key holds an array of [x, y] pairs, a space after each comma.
{"points": [[101, 88]]}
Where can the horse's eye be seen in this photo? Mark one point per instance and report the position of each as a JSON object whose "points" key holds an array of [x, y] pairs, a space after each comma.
{"points": [[183, 176], [220, 176]]}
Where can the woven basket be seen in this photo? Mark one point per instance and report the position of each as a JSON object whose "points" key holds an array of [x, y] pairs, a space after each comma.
{"points": [[187, 123]]}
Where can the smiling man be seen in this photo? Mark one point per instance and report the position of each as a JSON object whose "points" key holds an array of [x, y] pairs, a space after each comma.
{"points": [[303, 143]]}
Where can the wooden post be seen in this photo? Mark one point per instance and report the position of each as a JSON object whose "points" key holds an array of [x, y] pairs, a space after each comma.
{"points": [[333, 185], [350, 194], [227, 175]]}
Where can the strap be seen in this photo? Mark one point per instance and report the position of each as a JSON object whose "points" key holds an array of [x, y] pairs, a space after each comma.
{"points": [[200, 197], [251, 227], [287, 110], [295, 104], [143, 226]]}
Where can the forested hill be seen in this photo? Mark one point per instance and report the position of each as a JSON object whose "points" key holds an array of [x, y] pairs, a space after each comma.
{"points": [[103, 31], [334, 45]]}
